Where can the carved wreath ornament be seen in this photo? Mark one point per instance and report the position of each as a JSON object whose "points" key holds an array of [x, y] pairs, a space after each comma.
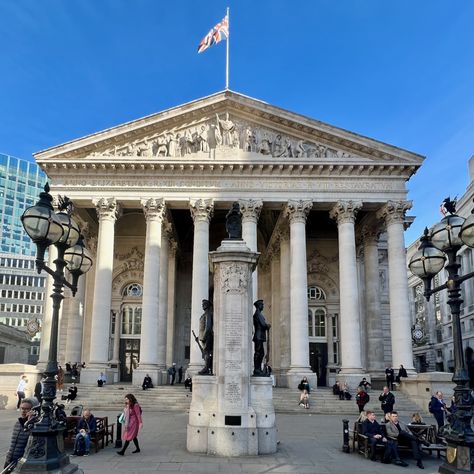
{"points": [[234, 278]]}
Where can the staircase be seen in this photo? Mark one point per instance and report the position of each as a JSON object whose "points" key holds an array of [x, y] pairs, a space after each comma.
{"points": [[166, 398]]}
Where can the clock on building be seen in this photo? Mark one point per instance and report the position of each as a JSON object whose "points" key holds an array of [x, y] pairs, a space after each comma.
{"points": [[417, 333], [33, 327]]}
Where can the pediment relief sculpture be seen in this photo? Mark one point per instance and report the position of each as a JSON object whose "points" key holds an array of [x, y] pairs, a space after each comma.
{"points": [[221, 132]]}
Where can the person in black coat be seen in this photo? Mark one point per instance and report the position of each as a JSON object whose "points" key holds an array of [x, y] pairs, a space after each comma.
{"points": [[20, 436], [147, 383], [72, 393], [437, 408], [375, 434], [402, 372], [388, 400], [390, 377], [39, 389]]}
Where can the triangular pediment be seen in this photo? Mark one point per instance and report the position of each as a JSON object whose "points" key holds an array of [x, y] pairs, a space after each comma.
{"points": [[229, 126]]}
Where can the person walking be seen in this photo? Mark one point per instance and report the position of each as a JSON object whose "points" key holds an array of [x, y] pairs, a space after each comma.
{"points": [[20, 391], [133, 423]]}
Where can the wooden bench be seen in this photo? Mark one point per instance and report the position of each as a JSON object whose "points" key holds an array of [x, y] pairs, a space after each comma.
{"points": [[100, 438], [363, 444], [439, 448]]}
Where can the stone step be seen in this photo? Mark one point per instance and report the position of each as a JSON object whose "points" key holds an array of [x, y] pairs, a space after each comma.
{"points": [[177, 398]]}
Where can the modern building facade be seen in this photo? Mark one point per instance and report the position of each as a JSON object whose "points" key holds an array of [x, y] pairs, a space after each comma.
{"points": [[324, 207], [21, 289], [434, 350]]}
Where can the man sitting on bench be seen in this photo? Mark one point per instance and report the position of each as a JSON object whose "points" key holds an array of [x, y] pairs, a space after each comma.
{"points": [[375, 434], [86, 427]]}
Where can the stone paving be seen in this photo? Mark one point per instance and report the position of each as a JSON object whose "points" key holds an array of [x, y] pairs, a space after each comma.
{"points": [[308, 444]]}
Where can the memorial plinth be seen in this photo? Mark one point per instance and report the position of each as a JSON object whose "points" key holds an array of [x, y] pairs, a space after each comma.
{"points": [[231, 412]]}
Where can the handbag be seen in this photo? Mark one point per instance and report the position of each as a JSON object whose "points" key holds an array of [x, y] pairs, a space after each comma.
{"points": [[122, 418]]}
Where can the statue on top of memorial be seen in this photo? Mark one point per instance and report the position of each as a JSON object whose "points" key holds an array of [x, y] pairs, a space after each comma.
{"points": [[233, 222], [261, 327]]}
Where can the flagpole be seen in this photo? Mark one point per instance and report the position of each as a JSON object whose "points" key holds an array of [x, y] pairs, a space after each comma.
{"points": [[227, 53]]}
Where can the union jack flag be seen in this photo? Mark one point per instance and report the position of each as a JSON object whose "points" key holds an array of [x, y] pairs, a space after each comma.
{"points": [[216, 34]]}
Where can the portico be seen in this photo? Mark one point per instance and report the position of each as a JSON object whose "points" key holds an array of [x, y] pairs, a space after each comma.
{"points": [[154, 204]]}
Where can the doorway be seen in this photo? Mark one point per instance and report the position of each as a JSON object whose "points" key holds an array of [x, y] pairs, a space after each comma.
{"points": [[318, 360], [129, 357]]}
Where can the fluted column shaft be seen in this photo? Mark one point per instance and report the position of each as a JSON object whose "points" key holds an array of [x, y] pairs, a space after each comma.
{"points": [[171, 304], [275, 301], [285, 306], [73, 352], [163, 302], [48, 312], [375, 359], [393, 214], [250, 210], [107, 211], [154, 211], [297, 212], [344, 212], [201, 211]]}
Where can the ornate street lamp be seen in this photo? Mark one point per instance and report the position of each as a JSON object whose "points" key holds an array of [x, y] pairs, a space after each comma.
{"points": [[443, 242], [45, 449]]}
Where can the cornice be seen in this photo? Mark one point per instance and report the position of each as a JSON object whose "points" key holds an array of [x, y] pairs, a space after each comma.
{"points": [[302, 167]]}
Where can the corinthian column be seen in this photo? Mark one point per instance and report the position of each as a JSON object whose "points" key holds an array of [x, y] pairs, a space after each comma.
{"points": [[107, 211], [201, 211], [375, 357], [297, 212], [393, 213], [285, 307], [154, 210], [250, 210], [344, 212]]}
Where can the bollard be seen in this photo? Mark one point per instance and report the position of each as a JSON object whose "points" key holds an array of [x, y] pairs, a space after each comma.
{"points": [[118, 437], [345, 436]]}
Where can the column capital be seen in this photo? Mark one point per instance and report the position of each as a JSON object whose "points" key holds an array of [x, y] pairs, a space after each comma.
{"points": [[107, 208], [345, 211], [298, 210], [250, 209], [173, 247], [394, 211], [370, 234], [154, 209], [201, 209]]}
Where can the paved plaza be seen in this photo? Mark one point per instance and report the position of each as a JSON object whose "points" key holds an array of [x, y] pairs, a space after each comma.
{"points": [[308, 444]]}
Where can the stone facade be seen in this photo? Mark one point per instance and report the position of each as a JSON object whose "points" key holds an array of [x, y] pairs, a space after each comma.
{"points": [[324, 207]]}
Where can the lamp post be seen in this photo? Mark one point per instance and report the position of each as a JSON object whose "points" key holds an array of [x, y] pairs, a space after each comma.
{"points": [[437, 246], [45, 449]]}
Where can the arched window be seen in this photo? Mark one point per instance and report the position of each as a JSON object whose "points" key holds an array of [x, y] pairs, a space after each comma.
{"points": [[133, 290], [316, 294]]}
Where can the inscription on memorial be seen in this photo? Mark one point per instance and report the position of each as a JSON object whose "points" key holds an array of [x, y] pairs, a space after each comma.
{"points": [[233, 359]]}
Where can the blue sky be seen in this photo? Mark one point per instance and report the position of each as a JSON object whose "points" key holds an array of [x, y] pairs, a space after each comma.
{"points": [[400, 72]]}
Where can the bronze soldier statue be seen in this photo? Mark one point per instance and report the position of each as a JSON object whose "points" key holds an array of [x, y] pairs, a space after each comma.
{"points": [[206, 336], [259, 337]]}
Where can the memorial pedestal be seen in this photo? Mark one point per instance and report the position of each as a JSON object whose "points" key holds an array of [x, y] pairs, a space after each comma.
{"points": [[232, 413]]}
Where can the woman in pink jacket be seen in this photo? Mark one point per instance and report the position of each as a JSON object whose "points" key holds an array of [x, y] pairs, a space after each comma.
{"points": [[132, 415]]}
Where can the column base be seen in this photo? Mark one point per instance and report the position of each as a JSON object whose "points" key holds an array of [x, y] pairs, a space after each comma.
{"points": [[91, 374], [352, 377], [296, 374], [153, 371]]}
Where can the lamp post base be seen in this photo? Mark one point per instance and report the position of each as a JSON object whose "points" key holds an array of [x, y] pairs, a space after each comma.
{"points": [[459, 458], [45, 453]]}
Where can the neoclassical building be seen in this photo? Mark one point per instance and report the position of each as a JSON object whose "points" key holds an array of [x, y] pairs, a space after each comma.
{"points": [[324, 207]]}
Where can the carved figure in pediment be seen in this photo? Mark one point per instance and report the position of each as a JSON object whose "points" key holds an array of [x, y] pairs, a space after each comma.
{"points": [[227, 129], [288, 148], [322, 151], [278, 147], [265, 146], [249, 140], [172, 141], [300, 151], [188, 142], [145, 148], [203, 139], [161, 146], [217, 135]]}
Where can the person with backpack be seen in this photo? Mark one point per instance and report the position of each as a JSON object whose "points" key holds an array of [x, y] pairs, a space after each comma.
{"points": [[437, 407], [362, 398], [86, 427], [132, 423]]}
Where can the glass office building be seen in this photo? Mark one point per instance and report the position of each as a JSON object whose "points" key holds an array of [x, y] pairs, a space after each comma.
{"points": [[22, 290], [21, 182]]}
